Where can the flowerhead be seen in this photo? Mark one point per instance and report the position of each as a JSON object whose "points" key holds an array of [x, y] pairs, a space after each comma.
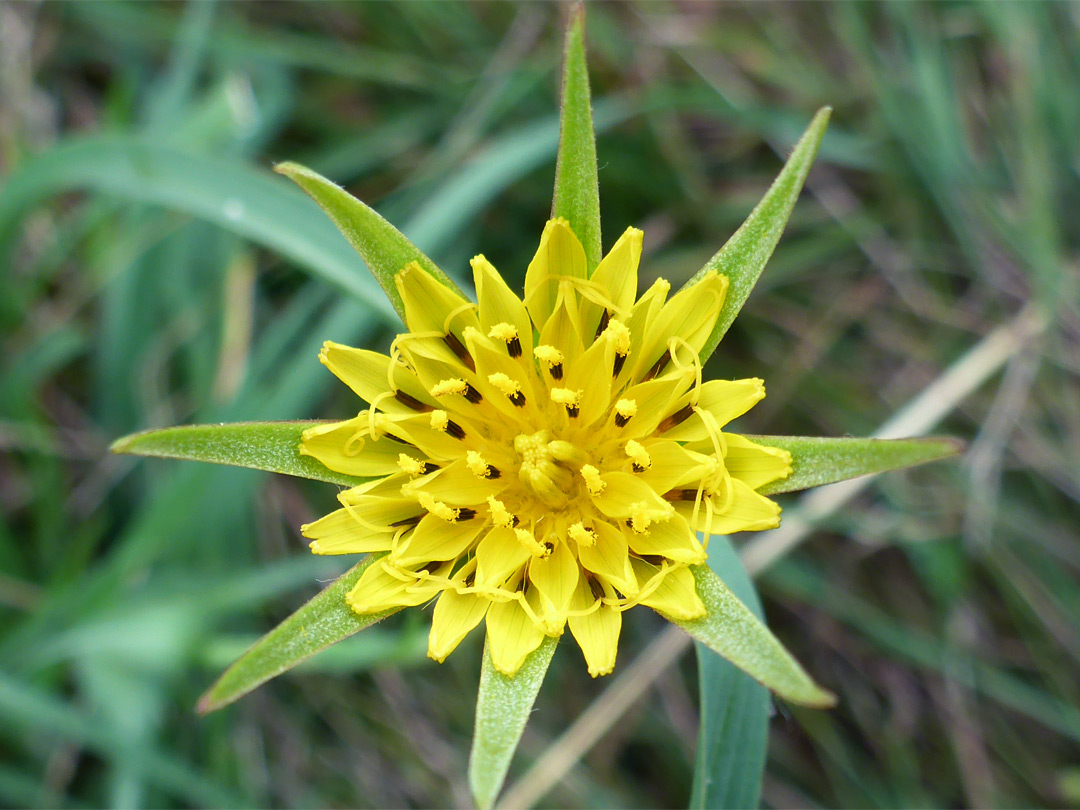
{"points": [[545, 461]]}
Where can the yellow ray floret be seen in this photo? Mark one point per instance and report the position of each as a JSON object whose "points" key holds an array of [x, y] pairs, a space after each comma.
{"points": [[545, 461]]}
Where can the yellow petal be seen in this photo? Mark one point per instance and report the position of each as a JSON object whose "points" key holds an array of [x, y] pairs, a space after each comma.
{"points": [[340, 533], [724, 400], [454, 616], [368, 374], [597, 633], [436, 539], [608, 558], [674, 466], [555, 577], [672, 538], [625, 495], [458, 486], [560, 254], [498, 555], [747, 512], [617, 272], [428, 302], [689, 316], [754, 464], [349, 448], [511, 635], [499, 305], [675, 596], [379, 589]]}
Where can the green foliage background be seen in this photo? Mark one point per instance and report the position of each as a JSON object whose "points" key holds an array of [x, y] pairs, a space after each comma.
{"points": [[155, 272]]}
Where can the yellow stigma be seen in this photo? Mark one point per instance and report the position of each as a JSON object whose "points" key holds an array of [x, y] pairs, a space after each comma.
{"points": [[526, 538], [477, 465], [410, 465], [505, 383], [638, 454], [451, 386], [503, 331], [437, 508], [582, 536], [548, 355], [593, 482], [619, 335], [500, 515]]}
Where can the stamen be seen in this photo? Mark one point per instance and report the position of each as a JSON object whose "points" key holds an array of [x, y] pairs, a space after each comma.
{"points": [[582, 536], [595, 587], [525, 537], [552, 358], [617, 332], [409, 521], [411, 402], [509, 386], [639, 455], [410, 465], [593, 482], [500, 515], [658, 366], [452, 386], [440, 421], [567, 397], [675, 419], [625, 409], [507, 333], [479, 467], [465, 514], [438, 508], [616, 367], [457, 348]]}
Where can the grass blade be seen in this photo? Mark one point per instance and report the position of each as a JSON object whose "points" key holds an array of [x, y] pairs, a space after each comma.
{"points": [[271, 446], [503, 706], [384, 248], [733, 733], [733, 631], [324, 620], [577, 191], [816, 461], [743, 256], [257, 206]]}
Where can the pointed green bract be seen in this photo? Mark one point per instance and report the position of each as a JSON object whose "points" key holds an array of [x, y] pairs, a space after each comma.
{"points": [[744, 255], [271, 446], [730, 629], [816, 461], [577, 190], [733, 732], [323, 621], [503, 705], [384, 249]]}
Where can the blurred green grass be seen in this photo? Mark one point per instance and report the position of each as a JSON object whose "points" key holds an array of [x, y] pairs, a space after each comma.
{"points": [[155, 273]]}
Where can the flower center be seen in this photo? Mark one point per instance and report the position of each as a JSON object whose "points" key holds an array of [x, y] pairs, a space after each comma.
{"points": [[542, 471]]}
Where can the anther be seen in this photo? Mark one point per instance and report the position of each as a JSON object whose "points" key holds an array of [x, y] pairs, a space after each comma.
{"points": [[411, 402], [440, 421], [680, 495], [507, 333], [658, 366], [409, 521], [604, 318], [552, 358], [616, 367], [675, 419], [652, 559], [465, 514], [595, 587], [438, 508], [457, 348], [625, 409]]}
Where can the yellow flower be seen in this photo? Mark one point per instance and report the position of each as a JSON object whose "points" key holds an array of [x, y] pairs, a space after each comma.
{"points": [[543, 462]]}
